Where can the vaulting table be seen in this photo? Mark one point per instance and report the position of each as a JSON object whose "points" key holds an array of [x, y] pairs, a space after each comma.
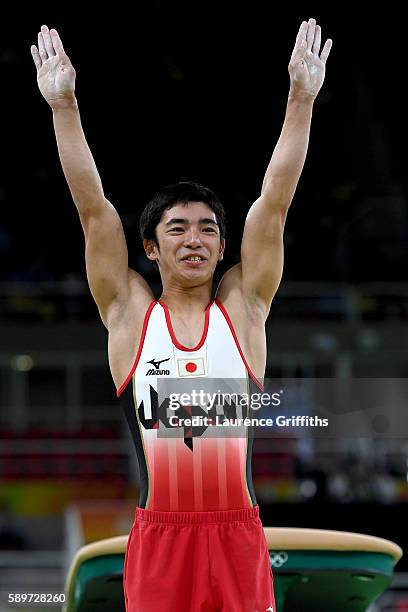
{"points": [[314, 570]]}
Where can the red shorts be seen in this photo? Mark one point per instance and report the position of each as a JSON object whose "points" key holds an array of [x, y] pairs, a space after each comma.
{"points": [[198, 562]]}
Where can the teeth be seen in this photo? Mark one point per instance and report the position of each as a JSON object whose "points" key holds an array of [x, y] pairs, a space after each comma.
{"points": [[194, 258]]}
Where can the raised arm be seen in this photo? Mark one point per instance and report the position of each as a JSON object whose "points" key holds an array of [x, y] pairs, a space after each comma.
{"points": [[105, 246], [262, 243]]}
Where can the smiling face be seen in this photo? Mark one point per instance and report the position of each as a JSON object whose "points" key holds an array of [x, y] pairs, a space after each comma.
{"points": [[189, 244]]}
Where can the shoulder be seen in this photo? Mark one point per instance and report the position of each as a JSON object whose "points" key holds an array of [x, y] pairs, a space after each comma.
{"points": [[241, 308], [246, 320], [129, 312], [126, 329]]}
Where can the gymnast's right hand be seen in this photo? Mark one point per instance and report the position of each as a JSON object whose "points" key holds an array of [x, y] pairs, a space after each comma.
{"points": [[55, 73]]}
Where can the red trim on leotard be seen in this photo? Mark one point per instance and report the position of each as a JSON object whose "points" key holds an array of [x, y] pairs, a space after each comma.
{"points": [[173, 335], [234, 335], [139, 349]]}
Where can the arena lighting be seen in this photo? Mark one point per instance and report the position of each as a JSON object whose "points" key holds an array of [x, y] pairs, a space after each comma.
{"points": [[22, 363], [308, 488]]}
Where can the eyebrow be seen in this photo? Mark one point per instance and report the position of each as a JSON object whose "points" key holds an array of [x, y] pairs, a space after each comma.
{"points": [[185, 222]]}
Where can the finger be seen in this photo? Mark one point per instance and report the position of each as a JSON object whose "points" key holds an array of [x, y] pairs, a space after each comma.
{"points": [[298, 52], [36, 57], [300, 44], [41, 48], [302, 31], [311, 33], [47, 41], [56, 41], [317, 40], [326, 50]]}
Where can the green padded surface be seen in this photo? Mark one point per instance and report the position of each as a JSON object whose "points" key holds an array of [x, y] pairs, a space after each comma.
{"points": [[327, 591], [307, 581], [318, 581], [328, 559], [99, 586]]}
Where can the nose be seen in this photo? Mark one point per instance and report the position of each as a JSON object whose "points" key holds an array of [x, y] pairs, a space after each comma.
{"points": [[192, 238]]}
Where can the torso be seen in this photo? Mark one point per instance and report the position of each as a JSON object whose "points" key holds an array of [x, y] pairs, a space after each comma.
{"points": [[181, 474], [184, 468]]}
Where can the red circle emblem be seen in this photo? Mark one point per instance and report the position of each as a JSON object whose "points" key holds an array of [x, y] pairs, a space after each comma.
{"points": [[191, 367]]}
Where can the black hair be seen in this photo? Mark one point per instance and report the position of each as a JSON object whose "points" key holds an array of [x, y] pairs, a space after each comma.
{"points": [[182, 192]]}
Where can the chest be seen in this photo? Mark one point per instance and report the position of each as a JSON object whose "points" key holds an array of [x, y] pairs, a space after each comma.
{"points": [[215, 353]]}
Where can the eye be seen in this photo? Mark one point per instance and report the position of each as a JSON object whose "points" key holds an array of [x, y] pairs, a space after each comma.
{"points": [[177, 229], [210, 229]]}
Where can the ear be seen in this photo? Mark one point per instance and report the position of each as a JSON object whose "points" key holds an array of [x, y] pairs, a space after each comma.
{"points": [[222, 249], [151, 249]]}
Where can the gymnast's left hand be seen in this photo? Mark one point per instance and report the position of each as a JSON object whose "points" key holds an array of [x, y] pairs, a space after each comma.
{"points": [[307, 64]]}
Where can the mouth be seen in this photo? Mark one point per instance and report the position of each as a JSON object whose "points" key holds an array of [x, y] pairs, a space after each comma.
{"points": [[194, 260]]}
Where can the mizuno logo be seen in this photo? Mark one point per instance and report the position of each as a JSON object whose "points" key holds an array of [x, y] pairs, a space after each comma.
{"points": [[270, 609], [156, 364], [156, 371]]}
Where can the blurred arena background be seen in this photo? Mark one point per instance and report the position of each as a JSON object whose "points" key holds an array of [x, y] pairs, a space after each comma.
{"points": [[198, 91]]}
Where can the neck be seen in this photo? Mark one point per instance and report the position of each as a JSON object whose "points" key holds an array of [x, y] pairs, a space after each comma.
{"points": [[186, 298]]}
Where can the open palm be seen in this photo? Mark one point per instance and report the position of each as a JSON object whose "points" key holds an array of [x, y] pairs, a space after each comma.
{"points": [[306, 67], [55, 73]]}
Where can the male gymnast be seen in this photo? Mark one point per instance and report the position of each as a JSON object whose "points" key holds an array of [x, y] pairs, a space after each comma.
{"points": [[197, 542]]}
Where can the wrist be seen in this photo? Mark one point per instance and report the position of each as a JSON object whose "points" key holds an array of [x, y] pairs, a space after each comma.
{"points": [[64, 103], [301, 97]]}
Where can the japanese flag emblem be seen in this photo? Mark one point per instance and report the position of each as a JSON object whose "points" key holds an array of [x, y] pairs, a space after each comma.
{"points": [[191, 367]]}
